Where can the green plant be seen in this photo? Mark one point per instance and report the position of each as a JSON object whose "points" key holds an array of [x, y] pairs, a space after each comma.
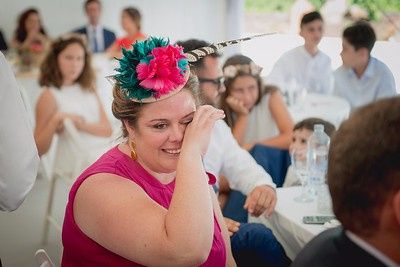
{"points": [[376, 8]]}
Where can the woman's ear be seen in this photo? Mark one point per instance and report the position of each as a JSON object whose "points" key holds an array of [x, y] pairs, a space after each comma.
{"points": [[129, 128]]}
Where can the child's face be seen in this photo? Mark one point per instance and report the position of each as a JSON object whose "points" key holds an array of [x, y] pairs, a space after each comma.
{"points": [[348, 54], [312, 32], [299, 139], [245, 89]]}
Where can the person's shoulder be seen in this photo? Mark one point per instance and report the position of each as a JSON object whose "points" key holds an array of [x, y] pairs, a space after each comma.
{"points": [[291, 53], [108, 31], [321, 250], [380, 67], [322, 55], [81, 30], [340, 71], [221, 129]]}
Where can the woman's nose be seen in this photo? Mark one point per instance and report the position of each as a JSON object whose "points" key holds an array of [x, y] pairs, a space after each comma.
{"points": [[176, 133]]}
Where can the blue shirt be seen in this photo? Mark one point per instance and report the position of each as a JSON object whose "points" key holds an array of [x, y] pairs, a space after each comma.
{"points": [[376, 82]]}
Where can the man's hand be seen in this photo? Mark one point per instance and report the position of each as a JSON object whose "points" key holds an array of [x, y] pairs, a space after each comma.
{"points": [[261, 199], [233, 226]]}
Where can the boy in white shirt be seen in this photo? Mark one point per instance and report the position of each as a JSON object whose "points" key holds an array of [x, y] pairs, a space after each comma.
{"points": [[362, 79], [305, 66]]}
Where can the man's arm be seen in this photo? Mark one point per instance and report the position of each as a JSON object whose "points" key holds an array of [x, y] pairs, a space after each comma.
{"points": [[19, 159], [225, 157]]}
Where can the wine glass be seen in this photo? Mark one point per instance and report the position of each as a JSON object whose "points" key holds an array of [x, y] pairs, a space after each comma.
{"points": [[299, 165]]}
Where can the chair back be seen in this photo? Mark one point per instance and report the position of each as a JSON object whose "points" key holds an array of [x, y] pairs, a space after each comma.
{"points": [[43, 259]]}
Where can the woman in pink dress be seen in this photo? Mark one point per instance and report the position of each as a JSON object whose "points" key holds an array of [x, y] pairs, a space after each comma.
{"points": [[149, 201], [131, 23]]}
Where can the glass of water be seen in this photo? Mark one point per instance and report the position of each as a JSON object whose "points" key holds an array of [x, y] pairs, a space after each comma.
{"points": [[299, 164]]}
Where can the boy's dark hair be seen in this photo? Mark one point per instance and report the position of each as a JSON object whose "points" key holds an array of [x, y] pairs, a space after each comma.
{"points": [[87, 2], [309, 17], [309, 123], [360, 35], [192, 44], [364, 165]]}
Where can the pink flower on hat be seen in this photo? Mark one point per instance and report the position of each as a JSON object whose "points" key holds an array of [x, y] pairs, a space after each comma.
{"points": [[164, 72]]}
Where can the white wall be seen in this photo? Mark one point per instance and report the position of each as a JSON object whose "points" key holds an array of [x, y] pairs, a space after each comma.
{"points": [[177, 19]]}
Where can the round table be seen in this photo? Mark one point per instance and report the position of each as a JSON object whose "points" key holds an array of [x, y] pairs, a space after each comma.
{"points": [[328, 107]]}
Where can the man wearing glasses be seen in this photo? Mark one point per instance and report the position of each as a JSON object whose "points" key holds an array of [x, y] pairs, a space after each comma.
{"points": [[249, 241]]}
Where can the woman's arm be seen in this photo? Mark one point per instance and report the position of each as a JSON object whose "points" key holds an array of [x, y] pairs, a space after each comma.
{"points": [[48, 120], [283, 120], [120, 216], [100, 128], [230, 261]]}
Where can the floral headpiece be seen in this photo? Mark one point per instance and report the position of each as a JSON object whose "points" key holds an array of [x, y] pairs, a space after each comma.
{"points": [[232, 71], [154, 69]]}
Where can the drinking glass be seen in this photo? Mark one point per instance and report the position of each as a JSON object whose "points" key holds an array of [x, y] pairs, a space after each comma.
{"points": [[299, 164]]}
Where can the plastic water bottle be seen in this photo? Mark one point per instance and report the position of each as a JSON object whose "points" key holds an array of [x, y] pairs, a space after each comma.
{"points": [[317, 158]]}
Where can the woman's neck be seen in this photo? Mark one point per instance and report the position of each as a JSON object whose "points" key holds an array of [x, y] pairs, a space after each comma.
{"points": [[164, 178]]}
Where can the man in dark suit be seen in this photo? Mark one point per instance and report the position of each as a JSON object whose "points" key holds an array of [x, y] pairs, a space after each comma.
{"points": [[99, 38], [3, 43], [364, 181]]}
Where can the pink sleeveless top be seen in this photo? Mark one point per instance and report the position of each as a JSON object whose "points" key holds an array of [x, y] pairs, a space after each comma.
{"points": [[80, 250]]}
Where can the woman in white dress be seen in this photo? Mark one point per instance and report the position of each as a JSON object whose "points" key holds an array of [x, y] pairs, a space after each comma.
{"points": [[68, 83], [256, 114]]}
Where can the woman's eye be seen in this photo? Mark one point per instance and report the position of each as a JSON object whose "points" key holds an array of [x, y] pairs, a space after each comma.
{"points": [[160, 126], [303, 141], [187, 121]]}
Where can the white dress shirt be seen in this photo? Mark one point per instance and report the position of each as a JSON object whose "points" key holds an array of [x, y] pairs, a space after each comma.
{"points": [[90, 30], [225, 157], [19, 158], [376, 82], [371, 250], [314, 73]]}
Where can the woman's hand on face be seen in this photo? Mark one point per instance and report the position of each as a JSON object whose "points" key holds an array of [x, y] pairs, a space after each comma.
{"points": [[237, 105], [198, 132]]}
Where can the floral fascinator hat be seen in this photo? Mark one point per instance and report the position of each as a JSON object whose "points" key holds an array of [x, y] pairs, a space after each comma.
{"points": [[154, 69]]}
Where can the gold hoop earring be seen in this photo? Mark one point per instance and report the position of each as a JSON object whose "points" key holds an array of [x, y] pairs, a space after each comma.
{"points": [[133, 151]]}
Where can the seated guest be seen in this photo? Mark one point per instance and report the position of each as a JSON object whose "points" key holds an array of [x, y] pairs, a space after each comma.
{"points": [[306, 66], [100, 38], [256, 114], [301, 133], [364, 182], [3, 43], [362, 78], [148, 201], [250, 242], [30, 37], [131, 23], [19, 159], [68, 92]]}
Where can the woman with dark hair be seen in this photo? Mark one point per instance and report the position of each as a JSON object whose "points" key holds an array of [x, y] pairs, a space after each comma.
{"points": [[131, 23], [68, 92], [30, 33], [256, 114]]}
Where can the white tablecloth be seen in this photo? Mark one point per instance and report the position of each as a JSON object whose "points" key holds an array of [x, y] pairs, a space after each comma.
{"points": [[286, 222], [328, 107]]}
